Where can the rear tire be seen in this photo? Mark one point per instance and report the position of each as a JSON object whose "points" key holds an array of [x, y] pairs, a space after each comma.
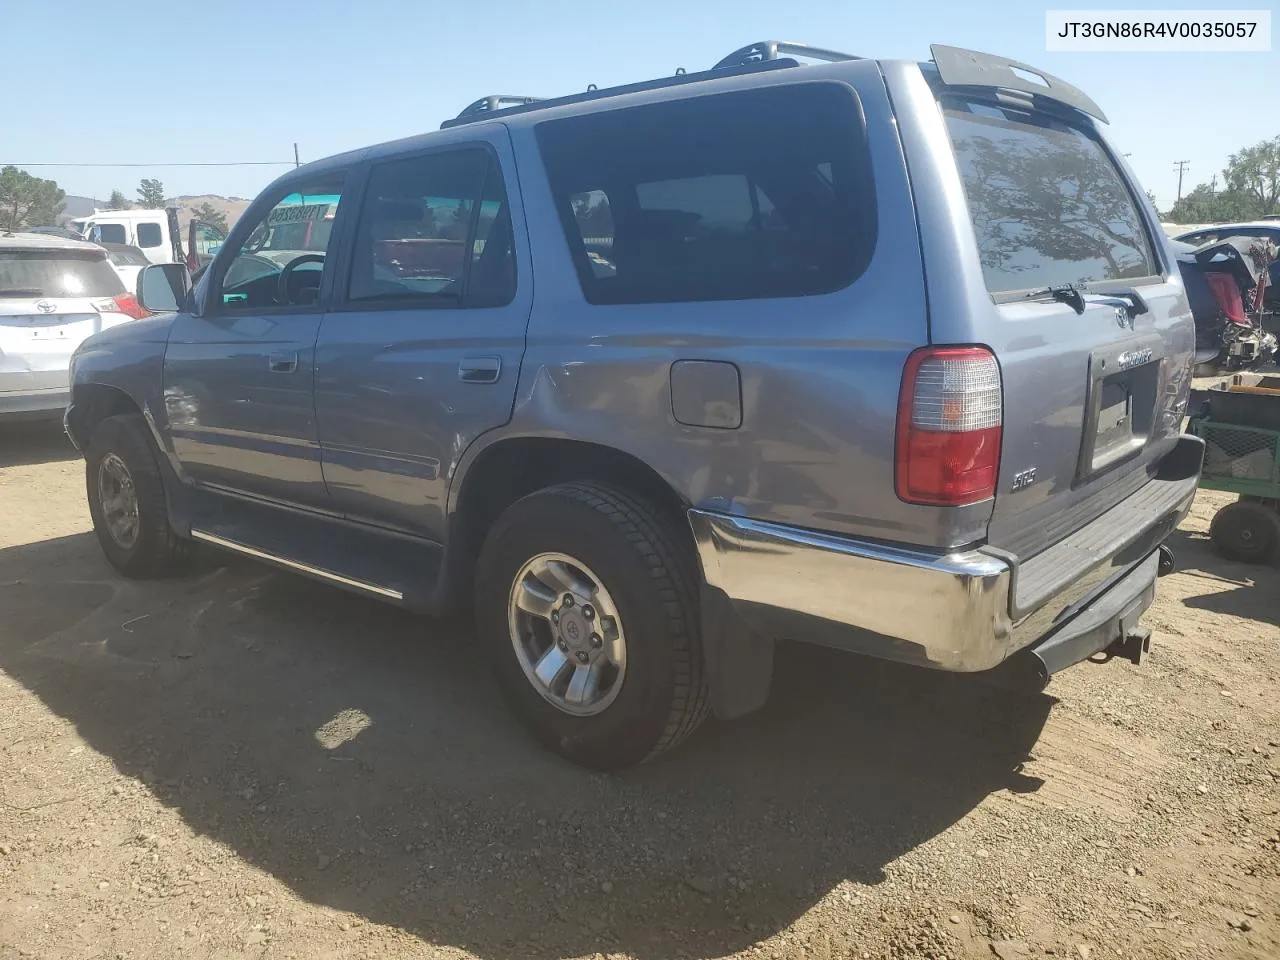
{"points": [[127, 501], [1246, 531], [626, 559]]}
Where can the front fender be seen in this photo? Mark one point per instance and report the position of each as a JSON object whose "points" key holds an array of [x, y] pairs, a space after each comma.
{"points": [[128, 360]]}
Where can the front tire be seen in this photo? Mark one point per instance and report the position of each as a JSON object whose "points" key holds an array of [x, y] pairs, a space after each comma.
{"points": [[587, 604], [127, 502]]}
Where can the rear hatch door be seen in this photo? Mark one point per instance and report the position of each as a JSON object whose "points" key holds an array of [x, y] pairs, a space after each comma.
{"points": [[1093, 338], [50, 301]]}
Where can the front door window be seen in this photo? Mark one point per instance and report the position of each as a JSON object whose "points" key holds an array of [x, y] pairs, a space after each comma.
{"points": [[281, 263]]}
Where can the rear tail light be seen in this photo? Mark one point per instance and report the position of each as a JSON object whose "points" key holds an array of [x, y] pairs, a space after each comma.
{"points": [[125, 303], [950, 415]]}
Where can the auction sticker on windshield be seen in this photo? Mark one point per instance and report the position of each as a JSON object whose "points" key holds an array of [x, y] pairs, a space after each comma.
{"points": [[1154, 31]]}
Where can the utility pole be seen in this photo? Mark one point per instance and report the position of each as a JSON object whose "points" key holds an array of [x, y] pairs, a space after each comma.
{"points": [[295, 156], [1181, 166]]}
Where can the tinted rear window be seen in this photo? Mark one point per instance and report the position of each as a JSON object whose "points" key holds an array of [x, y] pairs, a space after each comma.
{"points": [[759, 193], [32, 273], [1048, 205]]}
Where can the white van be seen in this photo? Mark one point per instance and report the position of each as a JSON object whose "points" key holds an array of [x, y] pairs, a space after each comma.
{"points": [[155, 233], [148, 230]]}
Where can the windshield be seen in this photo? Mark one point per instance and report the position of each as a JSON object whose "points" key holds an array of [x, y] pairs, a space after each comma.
{"points": [[1048, 205]]}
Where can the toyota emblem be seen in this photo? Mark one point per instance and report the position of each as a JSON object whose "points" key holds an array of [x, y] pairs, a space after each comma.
{"points": [[44, 306], [1124, 317]]}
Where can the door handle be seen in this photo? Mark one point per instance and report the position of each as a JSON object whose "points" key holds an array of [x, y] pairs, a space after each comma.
{"points": [[480, 369], [282, 362]]}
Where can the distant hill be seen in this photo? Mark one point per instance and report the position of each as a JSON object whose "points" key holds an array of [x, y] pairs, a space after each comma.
{"points": [[79, 207], [230, 207]]}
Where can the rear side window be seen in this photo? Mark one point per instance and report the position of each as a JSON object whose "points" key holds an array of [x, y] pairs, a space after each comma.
{"points": [[435, 230], [1048, 205], [149, 235], [753, 194], [40, 273]]}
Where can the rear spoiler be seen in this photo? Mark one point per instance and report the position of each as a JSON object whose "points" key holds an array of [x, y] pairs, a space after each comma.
{"points": [[958, 67]]}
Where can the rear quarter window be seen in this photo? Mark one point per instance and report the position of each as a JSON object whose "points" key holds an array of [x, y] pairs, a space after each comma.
{"points": [[149, 235], [752, 194], [41, 273], [1048, 204]]}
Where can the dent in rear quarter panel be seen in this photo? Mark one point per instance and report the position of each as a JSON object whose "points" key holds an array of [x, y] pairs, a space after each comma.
{"points": [[820, 375], [1043, 347]]}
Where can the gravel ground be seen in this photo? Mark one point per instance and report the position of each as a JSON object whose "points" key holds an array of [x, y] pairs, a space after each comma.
{"points": [[245, 764]]}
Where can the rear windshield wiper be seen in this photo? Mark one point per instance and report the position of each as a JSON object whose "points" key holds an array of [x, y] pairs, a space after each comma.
{"points": [[21, 292], [1067, 293], [1073, 296]]}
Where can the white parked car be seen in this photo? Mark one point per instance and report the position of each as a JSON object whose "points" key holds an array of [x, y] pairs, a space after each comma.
{"points": [[53, 294]]}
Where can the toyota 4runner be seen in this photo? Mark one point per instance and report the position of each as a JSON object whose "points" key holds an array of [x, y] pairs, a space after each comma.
{"points": [[888, 356]]}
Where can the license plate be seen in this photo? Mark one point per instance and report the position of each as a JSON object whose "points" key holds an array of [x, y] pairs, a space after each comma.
{"points": [[50, 333], [1120, 410]]}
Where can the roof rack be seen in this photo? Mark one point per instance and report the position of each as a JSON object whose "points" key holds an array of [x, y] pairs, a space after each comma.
{"points": [[767, 50], [480, 111], [496, 101]]}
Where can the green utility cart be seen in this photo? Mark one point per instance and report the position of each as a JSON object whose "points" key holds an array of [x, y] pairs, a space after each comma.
{"points": [[1239, 421]]}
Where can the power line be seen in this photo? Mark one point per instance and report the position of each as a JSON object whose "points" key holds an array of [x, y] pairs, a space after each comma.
{"points": [[234, 163]]}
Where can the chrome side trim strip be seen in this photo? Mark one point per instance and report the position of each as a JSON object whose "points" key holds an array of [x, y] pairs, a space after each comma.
{"points": [[295, 565]]}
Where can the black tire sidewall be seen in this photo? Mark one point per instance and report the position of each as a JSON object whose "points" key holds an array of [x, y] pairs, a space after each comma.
{"points": [[125, 437], [649, 605], [1232, 519]]}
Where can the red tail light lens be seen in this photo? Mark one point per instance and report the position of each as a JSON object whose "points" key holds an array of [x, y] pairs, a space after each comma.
{"points": [[950, 419], [125, 303]]}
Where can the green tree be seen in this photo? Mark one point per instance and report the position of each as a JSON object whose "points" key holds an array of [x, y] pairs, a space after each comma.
{"points": [[211, 215], [1251, 189], [1254, 173], [118, 201], [151, 194], [27, 201]]}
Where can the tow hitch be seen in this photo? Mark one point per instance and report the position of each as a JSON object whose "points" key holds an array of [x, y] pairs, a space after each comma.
{"points": [[1130, 647], [1166, 561]]}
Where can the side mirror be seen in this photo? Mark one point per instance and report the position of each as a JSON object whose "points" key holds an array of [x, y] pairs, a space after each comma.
{"points": [[163, 287]]}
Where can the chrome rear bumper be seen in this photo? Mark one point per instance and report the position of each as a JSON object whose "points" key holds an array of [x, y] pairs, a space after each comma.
{"points": [[955, 611]]}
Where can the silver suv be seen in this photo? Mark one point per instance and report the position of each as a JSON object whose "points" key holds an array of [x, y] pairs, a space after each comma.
{"points": [[888, 356], [53, 294]]}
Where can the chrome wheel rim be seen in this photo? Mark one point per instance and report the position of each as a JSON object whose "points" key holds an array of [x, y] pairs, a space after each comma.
{"points": [[119, 500], [567, 634]]}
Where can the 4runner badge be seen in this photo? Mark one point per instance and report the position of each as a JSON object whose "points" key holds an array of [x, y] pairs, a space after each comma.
{"points": [[1024, 478], [1134, 358]]}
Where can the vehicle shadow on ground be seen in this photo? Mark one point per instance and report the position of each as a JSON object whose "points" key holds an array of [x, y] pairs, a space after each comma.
{"points": [[361, 756], [37, 441], [1253, 588]]}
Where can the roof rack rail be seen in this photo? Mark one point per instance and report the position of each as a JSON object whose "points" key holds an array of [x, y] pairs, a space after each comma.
{"points": [[497, 101], [775, 49], [478, 111]]}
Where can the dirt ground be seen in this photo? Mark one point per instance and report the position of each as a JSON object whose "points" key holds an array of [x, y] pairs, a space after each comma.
{"points": [[245, 764]]}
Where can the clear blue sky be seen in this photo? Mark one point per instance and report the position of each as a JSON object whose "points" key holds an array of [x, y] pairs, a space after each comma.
{"points": [[151, 81]]}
